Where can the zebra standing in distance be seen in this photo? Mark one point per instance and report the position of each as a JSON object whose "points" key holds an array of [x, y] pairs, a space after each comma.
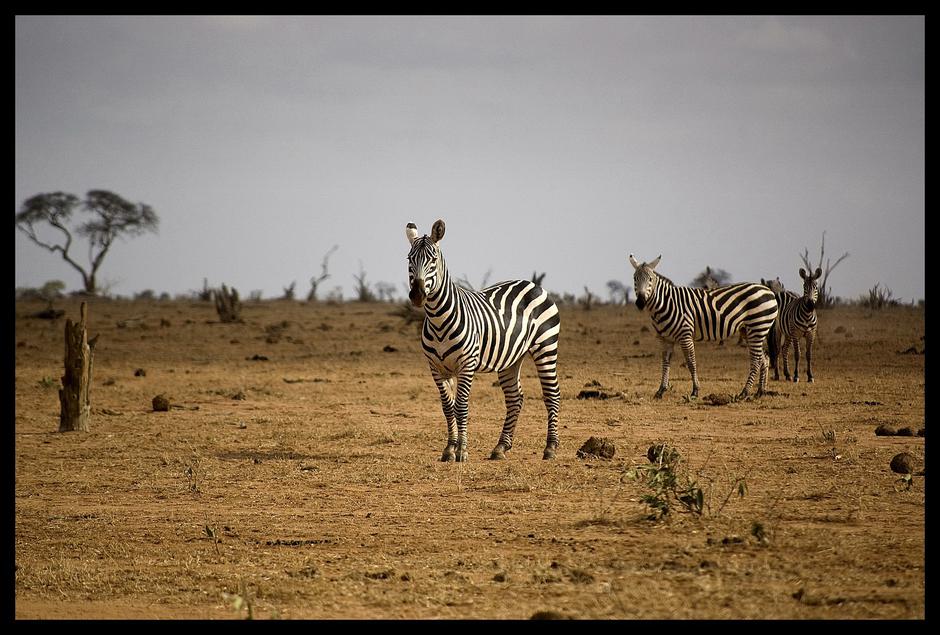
{"points": [[491, 330], [684, 314], [796, 318]]}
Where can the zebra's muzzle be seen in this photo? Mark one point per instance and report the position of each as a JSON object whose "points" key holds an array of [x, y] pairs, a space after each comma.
{"points": [[640, 302], [417, 295]]}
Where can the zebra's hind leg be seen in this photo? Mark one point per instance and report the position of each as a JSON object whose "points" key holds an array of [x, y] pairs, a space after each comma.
{"points": [[512, 391], [762, 382], [462, 411], [546, 364], [446, 389]]}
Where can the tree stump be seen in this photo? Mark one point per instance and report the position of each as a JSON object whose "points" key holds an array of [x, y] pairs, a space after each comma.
{"points": [[227, 304], [74, 394]]}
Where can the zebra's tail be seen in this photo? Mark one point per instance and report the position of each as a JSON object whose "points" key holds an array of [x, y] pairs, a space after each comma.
{"points": [[772, 345]]}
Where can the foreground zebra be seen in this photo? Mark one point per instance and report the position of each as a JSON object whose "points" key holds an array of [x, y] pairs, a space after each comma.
{"points": [[683, 314], [796, 318], [491, 330]]}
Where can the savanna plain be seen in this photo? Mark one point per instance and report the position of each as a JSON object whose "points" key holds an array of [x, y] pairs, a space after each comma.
{"points": [[297, 474]]}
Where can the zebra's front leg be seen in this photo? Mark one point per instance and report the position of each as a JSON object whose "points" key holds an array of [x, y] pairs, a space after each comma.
{"points": [[688, 347], [796, 359], [512, 391], [667, 355], [785, 354], [462, 411], [809, 357], [446, 388], [546, 364], [756, 362]]}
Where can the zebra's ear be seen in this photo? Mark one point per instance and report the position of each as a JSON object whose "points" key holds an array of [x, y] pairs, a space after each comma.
{"points": [[818, 273], [411, 231], [633, 262], [653, 264], [803, 273], [437, 231]]}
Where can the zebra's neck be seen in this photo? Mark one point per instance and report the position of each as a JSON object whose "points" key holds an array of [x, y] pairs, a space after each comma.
{"points": [[442, 301], [664, 289]]}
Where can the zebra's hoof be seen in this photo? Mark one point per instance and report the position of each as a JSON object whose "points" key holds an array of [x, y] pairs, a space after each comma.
{"points": [[659, 394], [448, 454], [809, 380], [498, 454], [549, 453], [796, 379]]}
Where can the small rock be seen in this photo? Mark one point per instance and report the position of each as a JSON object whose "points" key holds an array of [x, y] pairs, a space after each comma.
{"points": [[140, 372], [598, 447], [389, 349], [922, 432], [906, 431], [161, 403], [902, 463], [884, 430]]}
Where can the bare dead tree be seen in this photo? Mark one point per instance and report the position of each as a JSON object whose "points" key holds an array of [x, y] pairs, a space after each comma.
{"points": [[316, 280], [466, 284], [227, 304], [619, 292], [587, 301], [711, 278], [363, 290], [289, 291], [825, 296], [385, 291]]}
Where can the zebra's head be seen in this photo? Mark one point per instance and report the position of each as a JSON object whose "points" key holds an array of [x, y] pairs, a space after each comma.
{"points": [[810, 287], [425, 263], [774, 285], [644, 280]]}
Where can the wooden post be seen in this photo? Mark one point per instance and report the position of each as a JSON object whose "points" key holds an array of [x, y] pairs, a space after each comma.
{"points": [[74, 394]]}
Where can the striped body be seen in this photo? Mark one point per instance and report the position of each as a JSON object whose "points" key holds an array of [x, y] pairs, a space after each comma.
{"points": [[466, 332], [685, 314], [796, 319]]}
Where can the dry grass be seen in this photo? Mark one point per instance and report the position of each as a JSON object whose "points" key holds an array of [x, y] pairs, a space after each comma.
{"points": [[320, 494]]}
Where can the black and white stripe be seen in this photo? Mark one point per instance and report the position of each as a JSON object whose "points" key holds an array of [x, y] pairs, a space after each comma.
{"points": [[685, 314], [468, 331], [796, 318]]}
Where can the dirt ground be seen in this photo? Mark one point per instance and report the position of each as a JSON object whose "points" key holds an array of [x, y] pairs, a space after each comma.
{"points": [[297, 475]]}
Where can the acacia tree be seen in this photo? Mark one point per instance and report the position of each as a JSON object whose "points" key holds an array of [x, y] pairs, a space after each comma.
{"points": [[111, 217]]}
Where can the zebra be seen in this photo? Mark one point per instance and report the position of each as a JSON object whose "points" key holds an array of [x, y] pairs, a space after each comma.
{"points": [[491, 330], [684, 314], [797, 317]]}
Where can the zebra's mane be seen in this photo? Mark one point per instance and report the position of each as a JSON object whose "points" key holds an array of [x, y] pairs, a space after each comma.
{"points": [[665, 279]]}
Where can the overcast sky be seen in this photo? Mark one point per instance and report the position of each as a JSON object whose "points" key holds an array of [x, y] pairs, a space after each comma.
{"points": [[549, 144]]}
